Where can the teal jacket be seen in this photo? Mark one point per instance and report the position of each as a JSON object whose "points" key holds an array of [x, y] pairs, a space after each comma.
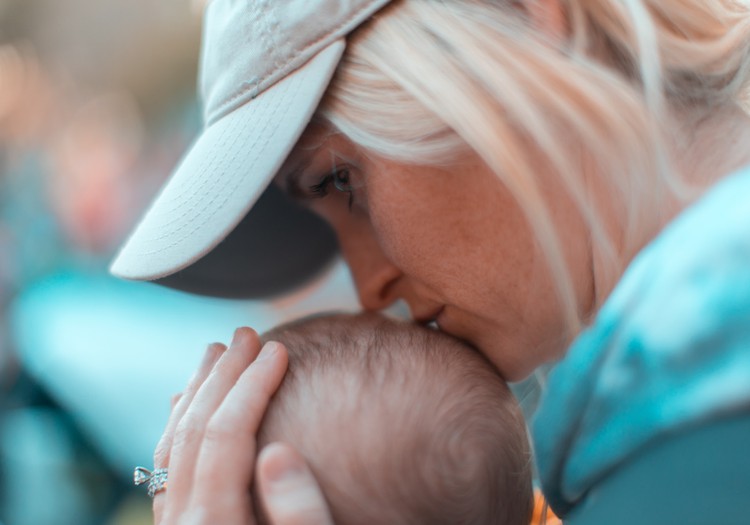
{"points": [[647, 419]]}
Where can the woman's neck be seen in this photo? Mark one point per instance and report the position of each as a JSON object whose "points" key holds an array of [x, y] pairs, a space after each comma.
{"points": [[708, 147], [704, 150]]}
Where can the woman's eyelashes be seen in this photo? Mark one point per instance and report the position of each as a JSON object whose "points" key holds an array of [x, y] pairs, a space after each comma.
{"points": [[340, 178]]}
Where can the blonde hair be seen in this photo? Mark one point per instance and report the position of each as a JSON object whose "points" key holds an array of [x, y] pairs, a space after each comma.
{"points": [[427, 79]]}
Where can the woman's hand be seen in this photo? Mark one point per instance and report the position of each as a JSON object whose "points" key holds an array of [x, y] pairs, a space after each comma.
{"points": [[209, 445]]}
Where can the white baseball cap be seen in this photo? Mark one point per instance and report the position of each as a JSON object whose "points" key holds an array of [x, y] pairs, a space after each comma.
{"points": [[265, 65]]}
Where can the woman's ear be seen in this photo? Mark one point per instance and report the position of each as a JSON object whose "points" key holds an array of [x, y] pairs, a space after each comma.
{"points": [[549, 17]]}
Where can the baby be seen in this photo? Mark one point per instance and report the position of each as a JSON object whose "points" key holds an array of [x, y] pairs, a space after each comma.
{"points": [[400, 424]]}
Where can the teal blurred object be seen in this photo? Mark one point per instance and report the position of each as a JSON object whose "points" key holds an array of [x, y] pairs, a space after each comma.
{"points": [[112, 353], [30, 238], [48, 478], [684, 479]]}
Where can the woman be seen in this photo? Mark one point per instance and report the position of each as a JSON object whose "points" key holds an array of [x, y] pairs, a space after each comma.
{"points": [[498, 165]]}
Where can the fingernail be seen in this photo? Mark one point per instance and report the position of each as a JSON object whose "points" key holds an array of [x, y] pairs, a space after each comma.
{"points": [[211, 351], [268, 351], [239, 335]]}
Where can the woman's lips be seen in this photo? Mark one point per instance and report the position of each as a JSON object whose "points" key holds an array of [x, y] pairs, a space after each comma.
{"points": [[429, 318], [437, 317], [433, 320], [445, 323]]}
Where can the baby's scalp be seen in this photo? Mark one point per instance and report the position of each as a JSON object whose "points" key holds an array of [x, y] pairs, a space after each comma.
{"points": [[400, 424]]}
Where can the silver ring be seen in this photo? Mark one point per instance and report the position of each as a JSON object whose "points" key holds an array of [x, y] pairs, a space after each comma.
{"points": [[157, 480]]}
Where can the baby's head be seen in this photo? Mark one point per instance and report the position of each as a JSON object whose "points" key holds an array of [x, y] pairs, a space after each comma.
{"points": [[400, 424]]}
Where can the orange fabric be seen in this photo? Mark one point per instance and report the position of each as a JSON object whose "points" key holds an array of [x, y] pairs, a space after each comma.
{"points": [[536, 518]]}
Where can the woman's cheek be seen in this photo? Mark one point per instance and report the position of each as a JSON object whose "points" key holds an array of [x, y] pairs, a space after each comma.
{"points": [[407, 247], [393, 234]]}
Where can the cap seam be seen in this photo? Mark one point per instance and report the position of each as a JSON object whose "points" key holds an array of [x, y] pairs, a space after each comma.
{"points": [[263, 13], [223, 107], [272, 24]]}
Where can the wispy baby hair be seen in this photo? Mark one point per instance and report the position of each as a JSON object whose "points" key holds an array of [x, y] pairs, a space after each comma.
{"points": [[401, 424]]}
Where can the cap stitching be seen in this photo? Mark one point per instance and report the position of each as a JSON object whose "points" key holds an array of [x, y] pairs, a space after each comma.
{"points": [[198, 184], [202, 224], [193, 185], [206, 183], [260, 10], [229, 193], [273, 24], [265, 38], [302, 51], [210, 183], [221, 108]]}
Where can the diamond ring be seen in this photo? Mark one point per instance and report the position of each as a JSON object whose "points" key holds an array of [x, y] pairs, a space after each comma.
{"points": [[157, 480]]}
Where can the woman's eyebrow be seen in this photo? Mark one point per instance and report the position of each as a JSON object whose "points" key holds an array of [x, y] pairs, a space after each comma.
{"points": [[292, 185]]}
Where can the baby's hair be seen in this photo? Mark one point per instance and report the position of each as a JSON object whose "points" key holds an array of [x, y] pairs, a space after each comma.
{"points": [[407, 424]]}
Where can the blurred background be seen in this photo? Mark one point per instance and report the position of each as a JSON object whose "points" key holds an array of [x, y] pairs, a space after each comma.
{"points": [[96, 106]]}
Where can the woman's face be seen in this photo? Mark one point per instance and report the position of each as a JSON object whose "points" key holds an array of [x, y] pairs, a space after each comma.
{"points": [[451, 242]]}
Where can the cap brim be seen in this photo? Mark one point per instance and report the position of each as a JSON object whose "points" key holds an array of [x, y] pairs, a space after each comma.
{"points": [[221, 178]]}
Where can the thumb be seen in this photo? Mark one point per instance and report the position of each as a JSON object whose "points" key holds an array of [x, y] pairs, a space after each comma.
{"points": [[288, 489]]}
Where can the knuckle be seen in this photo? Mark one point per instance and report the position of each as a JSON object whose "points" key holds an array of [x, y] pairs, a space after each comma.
{"points": [[161, 453], [188, 430], [218, 429]]}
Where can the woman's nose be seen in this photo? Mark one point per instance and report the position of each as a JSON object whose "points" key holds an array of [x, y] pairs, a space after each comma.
{"points": [[375, 277]]}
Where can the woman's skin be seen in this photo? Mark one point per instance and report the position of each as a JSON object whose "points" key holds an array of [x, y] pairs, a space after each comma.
{"points": [[450, 242], [455, 246]]}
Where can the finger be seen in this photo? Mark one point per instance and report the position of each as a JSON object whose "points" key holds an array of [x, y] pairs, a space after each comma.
{"points": [[173, 401], [225, 464], [191, 427], [179, 406], [288, 489], [161, 454]]}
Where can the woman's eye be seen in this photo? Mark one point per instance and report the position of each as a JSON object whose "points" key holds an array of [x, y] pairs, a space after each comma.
{"points": [[341, 182]]}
